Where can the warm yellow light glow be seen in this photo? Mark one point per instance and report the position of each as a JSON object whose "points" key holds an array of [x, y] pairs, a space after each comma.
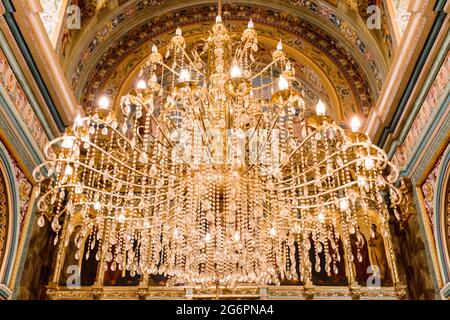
{"points": [[279, 46], [178, 32], [68, 171], [68, 142], [184, 75], [343, 204], [103, 102], [320, 108], [235, 71], [154, 49], [250, 24], [141, 84], [78, 120], [273, 232], [283, 84], [321, 217], [218, 19], [355, 124]]}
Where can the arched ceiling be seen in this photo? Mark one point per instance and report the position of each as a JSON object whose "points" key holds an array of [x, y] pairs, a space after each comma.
{"points": [[338, 59]]}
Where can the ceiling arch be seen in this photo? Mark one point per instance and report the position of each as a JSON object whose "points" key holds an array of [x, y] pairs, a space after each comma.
{"points": [[309, 27]]}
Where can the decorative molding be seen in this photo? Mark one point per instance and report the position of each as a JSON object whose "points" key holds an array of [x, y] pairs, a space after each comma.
{"points": [[42, 60], [55, 292]]}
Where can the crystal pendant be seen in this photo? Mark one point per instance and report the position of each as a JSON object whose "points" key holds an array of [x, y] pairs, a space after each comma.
{"points": [[153, 170], [41, 221], [143, 158], [55, 224], [335, 269], [317, 267]]}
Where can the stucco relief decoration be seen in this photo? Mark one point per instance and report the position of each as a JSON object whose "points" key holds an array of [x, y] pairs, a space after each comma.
{"points": [[428, 188], [346, 29], [25, 188], [129, 12], [3, 217], [432, 101], [402, 14], [20, 102], [50, 15], [447, 218]]}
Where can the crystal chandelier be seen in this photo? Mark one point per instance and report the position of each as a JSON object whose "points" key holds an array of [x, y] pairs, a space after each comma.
{"points": [[201, 178]]}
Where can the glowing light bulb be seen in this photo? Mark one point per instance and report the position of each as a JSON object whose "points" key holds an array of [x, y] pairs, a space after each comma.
{"points": [[78, 120], [320, 108], [141, 84], [184, 75], [103, 102], [218, 19], [121, 217], [97, 206], [321, 216], [343, 204], [250, 24], [178, 32], [279, 46], [208, 237], [154, 49], [273, 232], [235, 71], [361, 181], [283, 84], [68, 142], [68, 171], [355, 124], [237, 236], [369, 163]]}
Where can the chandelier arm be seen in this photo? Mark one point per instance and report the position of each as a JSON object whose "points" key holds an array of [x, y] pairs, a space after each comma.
{"points": [[256, 127], [192, 64], [263, 86], [120, 162], [265, 143], [345, 186], [127, 166], [154, 138], [115, 195], [38, 169], [331, 202], [324, 176], [128, 206], [118, 133], [382, 159], [167, 67], [266, 67]]}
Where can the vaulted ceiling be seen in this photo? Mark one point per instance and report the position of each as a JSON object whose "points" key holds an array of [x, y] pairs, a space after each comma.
{"points": [[338, 58]]}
